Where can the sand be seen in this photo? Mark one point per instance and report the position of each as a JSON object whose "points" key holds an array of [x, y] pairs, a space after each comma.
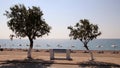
{"points": [[77, 56]]}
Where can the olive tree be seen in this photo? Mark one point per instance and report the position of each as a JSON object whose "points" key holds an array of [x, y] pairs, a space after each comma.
{"points": [[27, 22], [85, 32]]}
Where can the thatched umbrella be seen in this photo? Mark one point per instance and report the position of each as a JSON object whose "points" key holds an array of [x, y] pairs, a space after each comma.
{"points": [[114, 46], [99, 46]]}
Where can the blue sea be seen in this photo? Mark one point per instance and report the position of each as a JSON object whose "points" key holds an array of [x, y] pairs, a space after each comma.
{"points": [[106, 44]]}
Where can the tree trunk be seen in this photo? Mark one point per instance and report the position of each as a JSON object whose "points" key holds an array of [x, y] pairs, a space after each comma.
{"points": [[30, 48], [91, 54]]}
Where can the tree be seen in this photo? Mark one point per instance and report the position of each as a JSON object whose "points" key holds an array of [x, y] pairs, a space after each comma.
{"points": [[27, 23], [85, 32]]}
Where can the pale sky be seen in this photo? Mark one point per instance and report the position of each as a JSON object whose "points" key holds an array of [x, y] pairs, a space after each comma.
{"points": [[60, 14]]}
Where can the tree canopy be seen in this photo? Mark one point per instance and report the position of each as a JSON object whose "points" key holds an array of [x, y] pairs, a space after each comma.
{"points": [[84, 31], [27, 23]]}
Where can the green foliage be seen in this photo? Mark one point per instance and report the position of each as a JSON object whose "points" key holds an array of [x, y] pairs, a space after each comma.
{"points": [[84, 31], [27, 22]]}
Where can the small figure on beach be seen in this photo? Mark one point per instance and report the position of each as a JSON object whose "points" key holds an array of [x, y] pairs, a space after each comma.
{"points": [[27, 45], [20, 44], [73, 46]]}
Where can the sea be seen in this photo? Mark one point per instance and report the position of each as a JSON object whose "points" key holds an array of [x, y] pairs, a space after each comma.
{"points": [[97, 44]]}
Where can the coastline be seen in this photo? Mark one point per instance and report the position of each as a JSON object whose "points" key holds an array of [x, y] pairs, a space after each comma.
{"points": [[98, 44]]}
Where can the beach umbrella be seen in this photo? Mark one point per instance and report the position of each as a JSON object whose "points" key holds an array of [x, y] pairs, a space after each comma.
{"points": [[99, 46], [71, 46], [114, 46]]}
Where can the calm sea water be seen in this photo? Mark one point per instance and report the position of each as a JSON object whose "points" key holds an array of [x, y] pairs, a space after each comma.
{"points": [[61, 44]]}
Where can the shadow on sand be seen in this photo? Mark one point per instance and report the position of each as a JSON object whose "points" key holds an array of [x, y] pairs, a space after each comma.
{"points": [[27, 63], [39, 63], [97, 64]]}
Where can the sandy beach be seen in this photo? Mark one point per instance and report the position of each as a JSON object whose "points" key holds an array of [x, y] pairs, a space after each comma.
{"points": [[77, 57]]}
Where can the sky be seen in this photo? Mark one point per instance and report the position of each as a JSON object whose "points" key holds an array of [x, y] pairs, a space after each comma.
{"points": [[60, 14]]}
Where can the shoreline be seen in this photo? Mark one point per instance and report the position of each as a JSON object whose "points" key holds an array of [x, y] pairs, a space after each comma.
{"points": [[13, 49]]}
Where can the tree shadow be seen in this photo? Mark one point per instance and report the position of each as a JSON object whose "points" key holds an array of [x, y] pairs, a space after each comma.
{"points": [[27, 63], [97, 64], [63, 59]]}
